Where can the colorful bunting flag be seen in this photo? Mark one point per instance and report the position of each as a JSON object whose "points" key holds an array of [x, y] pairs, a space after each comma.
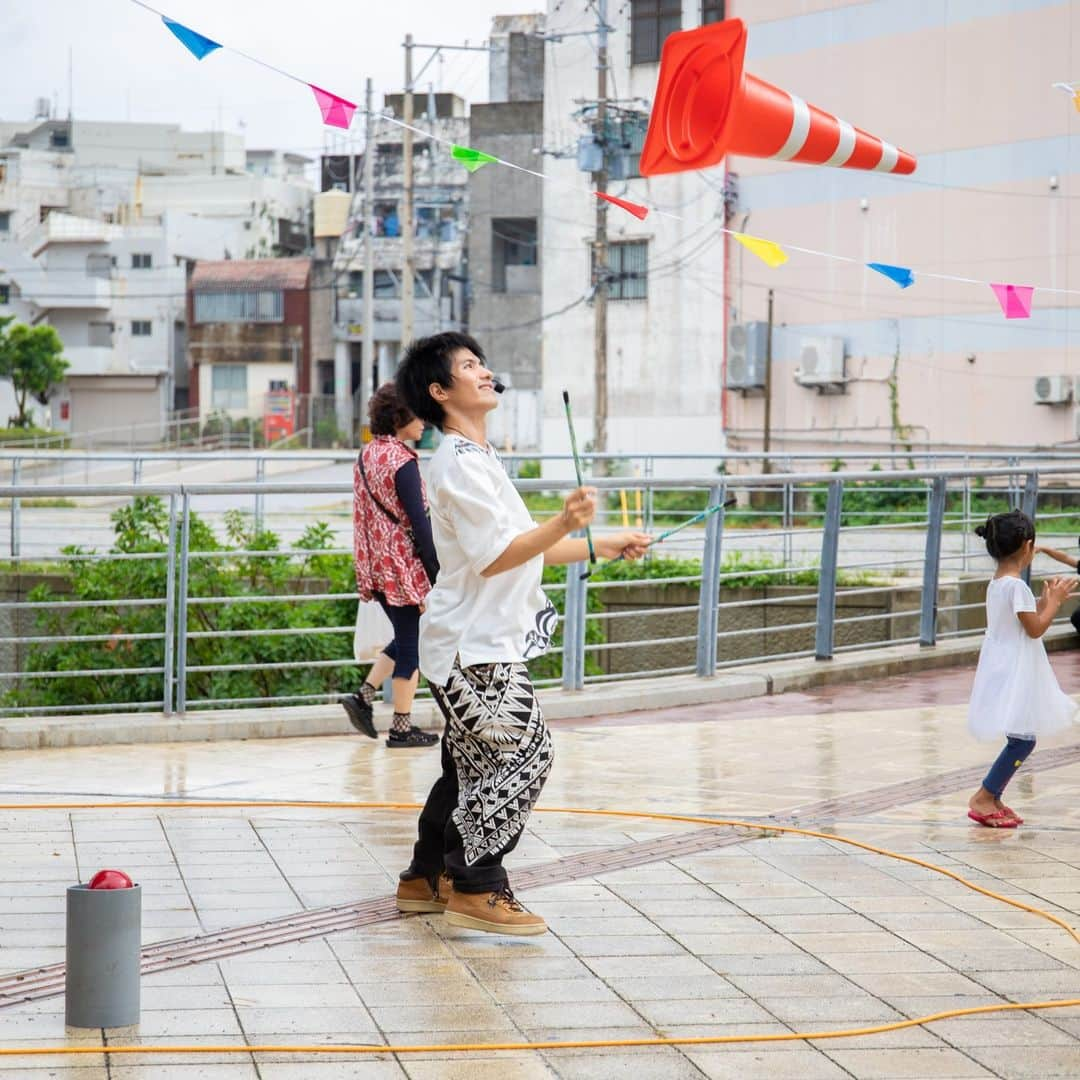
{"points": [[1015, 300], [470, 158], [336, 111], [639, 211], [900, 274], [197, 44], [769, 253]]}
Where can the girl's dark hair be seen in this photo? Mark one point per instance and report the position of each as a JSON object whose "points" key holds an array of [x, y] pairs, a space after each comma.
{"points": [[387, 411], [1006, 534], [427, 361]]}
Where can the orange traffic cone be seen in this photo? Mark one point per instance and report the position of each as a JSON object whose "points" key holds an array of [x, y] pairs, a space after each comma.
{"points": [[707, 106]]}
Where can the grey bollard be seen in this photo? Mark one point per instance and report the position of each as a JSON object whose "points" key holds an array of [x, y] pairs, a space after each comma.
{"points": [[104, 941]]}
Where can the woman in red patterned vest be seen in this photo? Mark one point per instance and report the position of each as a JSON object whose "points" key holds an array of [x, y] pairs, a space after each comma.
{"points": [[395, 560]]}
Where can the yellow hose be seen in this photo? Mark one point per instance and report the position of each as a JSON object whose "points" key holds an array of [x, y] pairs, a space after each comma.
{"points": [[590, 1044]]}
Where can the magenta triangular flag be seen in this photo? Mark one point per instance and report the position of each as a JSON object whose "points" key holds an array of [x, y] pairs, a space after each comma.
{"points": [[1015, 300], [336, 111]]}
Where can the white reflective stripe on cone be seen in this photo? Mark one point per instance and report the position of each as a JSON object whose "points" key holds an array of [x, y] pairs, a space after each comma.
{"points": [[845, 147], [889, 157], [800, 128]]}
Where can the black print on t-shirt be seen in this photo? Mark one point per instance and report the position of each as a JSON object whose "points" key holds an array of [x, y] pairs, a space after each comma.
{"points": [[538, 639], [463, 446]]}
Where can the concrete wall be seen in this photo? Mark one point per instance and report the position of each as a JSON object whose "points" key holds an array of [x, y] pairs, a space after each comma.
{"points": [[968, 88], [664, 352], [505, 315]]}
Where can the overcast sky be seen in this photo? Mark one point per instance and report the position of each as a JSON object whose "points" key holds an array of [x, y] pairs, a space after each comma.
{"points": [[127, 66]]}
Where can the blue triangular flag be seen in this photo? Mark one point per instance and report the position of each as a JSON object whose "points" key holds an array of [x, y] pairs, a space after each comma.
{"points": [[198, 45], [900, 274]]}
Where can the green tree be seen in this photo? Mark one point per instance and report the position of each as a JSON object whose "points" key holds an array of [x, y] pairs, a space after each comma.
{"points": [[31, 357]]}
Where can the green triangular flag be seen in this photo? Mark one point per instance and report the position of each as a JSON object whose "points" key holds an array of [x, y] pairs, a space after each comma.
{"points": [[471, 159]]}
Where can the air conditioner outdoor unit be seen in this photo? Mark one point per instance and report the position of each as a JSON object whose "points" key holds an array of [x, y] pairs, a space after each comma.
{"points": [[821, 362], [746, 356], [1053, 389]]}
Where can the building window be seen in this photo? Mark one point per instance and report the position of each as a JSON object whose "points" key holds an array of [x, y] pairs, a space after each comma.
{"points": [[5, 221], [100, 335], [628, 267], [141, 260], [5, 295], [141, 328], [650, 23], [228, 388], [240, 306], [712, 11], [513, 255]]}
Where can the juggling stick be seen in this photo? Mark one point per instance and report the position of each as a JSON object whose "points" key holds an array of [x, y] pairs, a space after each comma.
{"points": [[577, 470]]}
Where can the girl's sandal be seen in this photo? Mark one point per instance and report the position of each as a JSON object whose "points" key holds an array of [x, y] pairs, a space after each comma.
{"points": [[1012, 813], [999, 819]]}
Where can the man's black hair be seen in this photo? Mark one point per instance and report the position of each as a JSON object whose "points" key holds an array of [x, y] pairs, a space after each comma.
{"points": [[1006, 534], [428, 360]]}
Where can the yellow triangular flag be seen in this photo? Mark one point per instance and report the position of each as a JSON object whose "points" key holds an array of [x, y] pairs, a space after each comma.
{"points": [[769, 253]]}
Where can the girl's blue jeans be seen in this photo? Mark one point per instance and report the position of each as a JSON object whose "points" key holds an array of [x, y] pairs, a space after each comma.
{"points": [[1010, 759]]}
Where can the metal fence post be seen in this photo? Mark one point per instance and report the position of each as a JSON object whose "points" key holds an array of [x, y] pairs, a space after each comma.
{"points": [[1028, 504], [830, 545], [709, 595], [932, 563], [170, 611], [967, 519], [788, 522], [260, 478], [136, 471], [576, 599], [16, 469], [182, 612]]}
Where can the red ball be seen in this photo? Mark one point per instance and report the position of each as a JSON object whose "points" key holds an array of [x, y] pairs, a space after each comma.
{"points": [[111, 879]]}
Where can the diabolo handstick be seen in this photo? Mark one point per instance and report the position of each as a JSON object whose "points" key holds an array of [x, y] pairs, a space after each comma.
{"points": [[577, 471], [726, 504]]}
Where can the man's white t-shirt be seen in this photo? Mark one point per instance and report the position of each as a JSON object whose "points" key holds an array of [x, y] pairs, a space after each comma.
{"points": [[476, 513]]}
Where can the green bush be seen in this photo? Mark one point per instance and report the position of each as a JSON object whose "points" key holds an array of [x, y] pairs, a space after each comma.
{"points": [[142, 528]]}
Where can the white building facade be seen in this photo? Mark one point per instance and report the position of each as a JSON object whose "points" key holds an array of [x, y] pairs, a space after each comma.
{"points": [[667, 274], [98, 225]]}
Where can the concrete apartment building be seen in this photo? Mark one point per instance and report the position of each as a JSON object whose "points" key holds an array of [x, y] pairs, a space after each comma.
{"points": [[98, 224], [505, 210], [665, 312], [439, 229], [967, 88]]}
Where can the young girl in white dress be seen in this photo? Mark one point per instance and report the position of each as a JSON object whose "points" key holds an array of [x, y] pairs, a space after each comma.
{"points": [[1015, 694]]}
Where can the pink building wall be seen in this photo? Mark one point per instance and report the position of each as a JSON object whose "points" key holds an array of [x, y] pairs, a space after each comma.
{"points": [[967, 88]]}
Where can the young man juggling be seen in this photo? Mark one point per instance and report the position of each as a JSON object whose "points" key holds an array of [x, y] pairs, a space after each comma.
{"points": [[486, 616]]}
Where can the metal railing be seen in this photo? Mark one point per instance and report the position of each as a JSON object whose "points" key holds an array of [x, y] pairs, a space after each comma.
{"points": [[834, 562]]}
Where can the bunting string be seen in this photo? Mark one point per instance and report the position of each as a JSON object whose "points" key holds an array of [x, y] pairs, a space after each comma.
{"points": [[1015, 300]]}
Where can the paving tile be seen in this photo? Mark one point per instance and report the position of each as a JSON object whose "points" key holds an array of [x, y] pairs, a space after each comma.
{"points": [[909, 1064], [730, 1064]]}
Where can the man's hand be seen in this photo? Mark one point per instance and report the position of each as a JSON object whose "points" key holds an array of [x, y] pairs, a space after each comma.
{"points": [[630, 545], [579, 508]]}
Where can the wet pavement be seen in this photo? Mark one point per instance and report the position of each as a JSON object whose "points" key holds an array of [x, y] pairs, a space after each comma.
{"points": [[714, 933]]}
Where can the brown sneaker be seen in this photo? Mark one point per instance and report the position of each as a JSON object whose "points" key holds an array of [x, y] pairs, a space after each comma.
{"points": [[416, 894], [497, 913]]}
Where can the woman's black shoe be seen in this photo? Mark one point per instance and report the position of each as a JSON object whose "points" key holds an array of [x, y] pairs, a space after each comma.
{"points": [[361, 714], [413, 737]]}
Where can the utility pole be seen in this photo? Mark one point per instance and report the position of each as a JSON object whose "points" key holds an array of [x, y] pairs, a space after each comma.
{"points": [[767, 424], [600, 242], [367, 353], [407, 331]]}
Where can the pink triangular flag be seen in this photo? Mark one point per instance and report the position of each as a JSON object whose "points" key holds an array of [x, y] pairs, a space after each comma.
{"points": [[1015, 300], [336, 111], [639, 211]]}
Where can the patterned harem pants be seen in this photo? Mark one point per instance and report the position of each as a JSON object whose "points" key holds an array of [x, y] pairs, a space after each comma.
{"points": [[496, 755]]}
